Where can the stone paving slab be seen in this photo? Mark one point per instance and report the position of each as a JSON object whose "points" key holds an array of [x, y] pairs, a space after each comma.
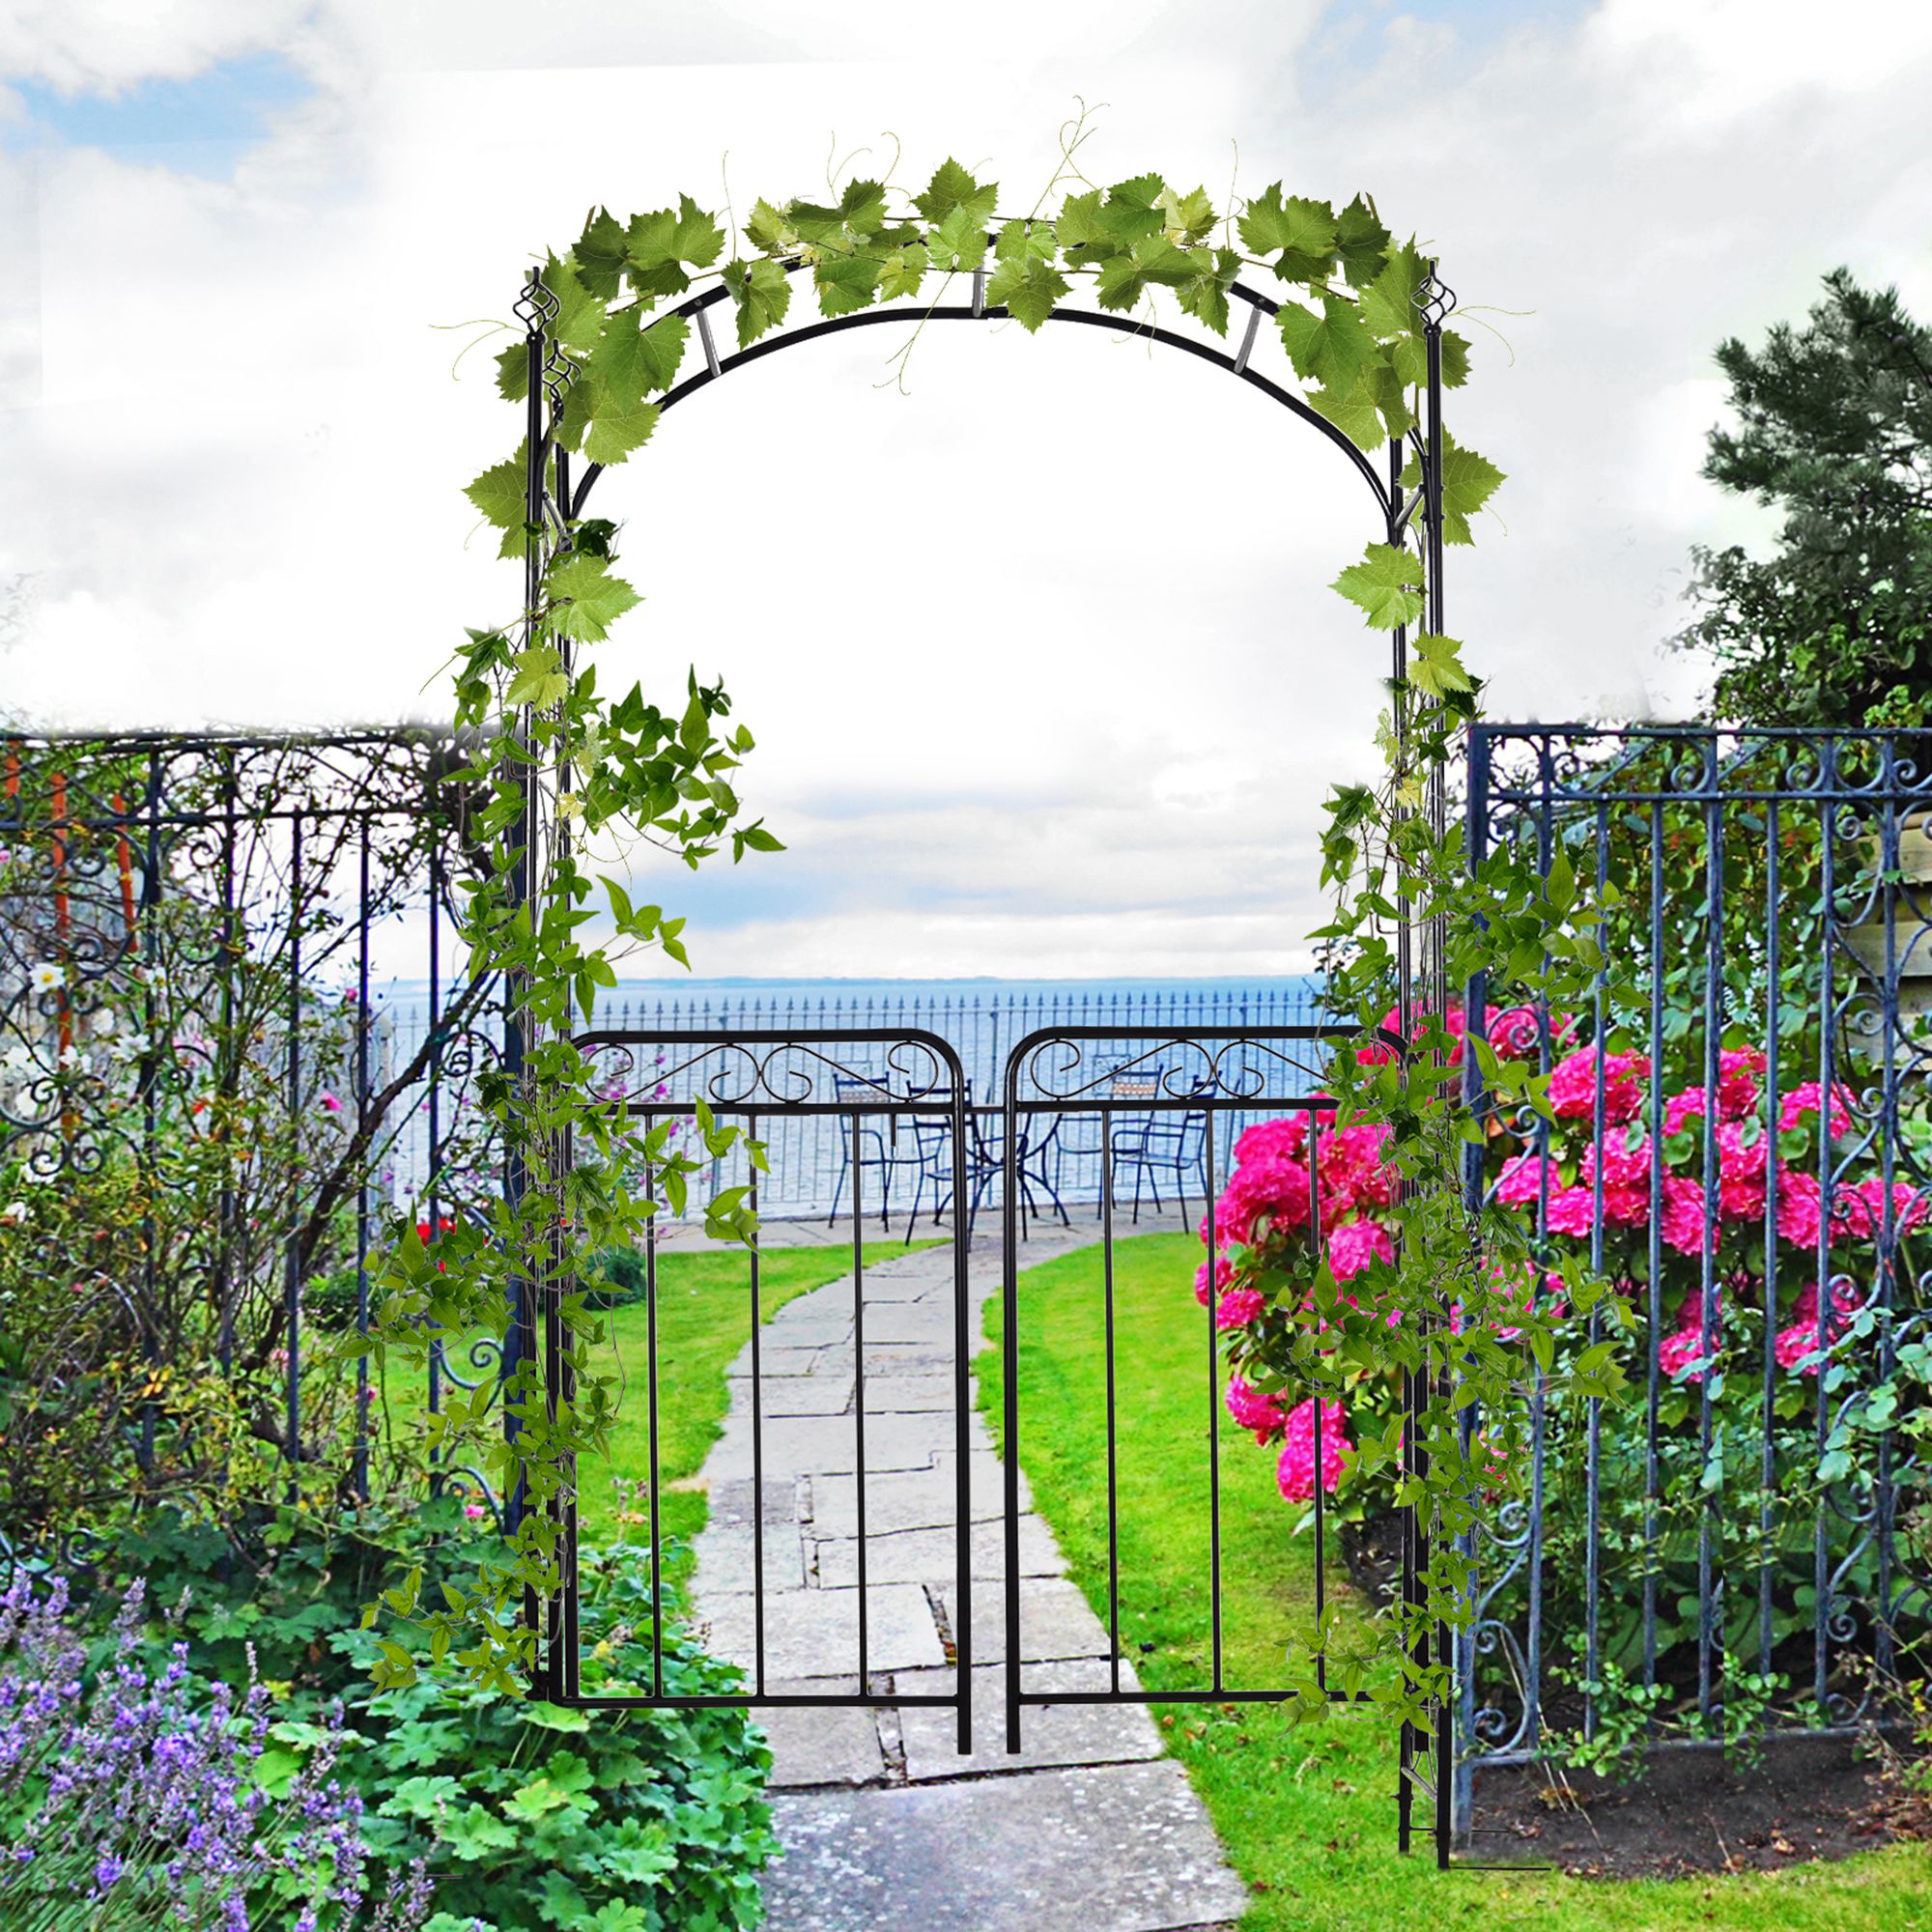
{"points": [[925, 1555], [814, 1631], [1050, 1734], [827, 1393], [828, 1444], [888, 1395], [728, 1554], [914, 1324], [924, 1498], [1055, 1623], [1113, 1848], [822, 1746], [774, 1361]]}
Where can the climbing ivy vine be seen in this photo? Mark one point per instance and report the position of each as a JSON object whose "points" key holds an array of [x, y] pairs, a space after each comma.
{"points": [[562, 770]]}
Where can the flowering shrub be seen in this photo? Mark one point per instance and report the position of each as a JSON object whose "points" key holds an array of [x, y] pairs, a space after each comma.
{"points": [[145, 1797], [1283, 1209]]}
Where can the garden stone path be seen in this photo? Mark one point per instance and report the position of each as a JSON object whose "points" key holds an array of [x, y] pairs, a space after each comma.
{"points": [[883, 1822]]}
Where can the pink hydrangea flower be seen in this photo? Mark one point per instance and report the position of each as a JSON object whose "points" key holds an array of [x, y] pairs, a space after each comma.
{"points": [[1677, 1351], [1353, 1172], [1804, 1102], [1626, 1180], [1238, 1307], [1521, 1183], [1908, 1204], [1223, 1274], [1353, 1248], [1284, 1139], [1296, 1473], [1253, 1410], [1737, 1090], [1572, 1210], [1741, 1171], [1271, 1192], [1573, 1086], [1685, 1224], [1800, 1210]]}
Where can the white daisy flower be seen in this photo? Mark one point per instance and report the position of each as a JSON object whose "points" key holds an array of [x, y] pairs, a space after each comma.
{"points": [[69, 1057], [47, 976]]}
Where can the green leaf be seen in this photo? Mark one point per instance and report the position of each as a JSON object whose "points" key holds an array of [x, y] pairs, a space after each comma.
{"points": [[579, 315], [541, 679], [958, 241], [1436, 665], [630, 361], [1469, 481], [1454, 360], [1091, 228], [953, 188], [1331, 349], [1123, 279], [600, 255], [476, 1832], [1186, 218], [769, 231], [1204, 294], [901, 271], [1026, 241], [1388, 303], [657, 246], [591, 599], [845, 283], [499, 493], [1361, 240], [861, 212], [1027, 287], [1353, 412], [612, 434], [1302, 230], [513, 372], [1385, 585], [761, 293]]}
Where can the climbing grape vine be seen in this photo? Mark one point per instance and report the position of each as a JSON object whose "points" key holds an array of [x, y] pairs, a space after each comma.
{"points": [[556, 771]]}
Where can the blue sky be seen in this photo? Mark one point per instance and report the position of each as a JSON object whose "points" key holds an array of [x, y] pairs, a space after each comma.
{"points": [[1090, 728], [213, 117]]}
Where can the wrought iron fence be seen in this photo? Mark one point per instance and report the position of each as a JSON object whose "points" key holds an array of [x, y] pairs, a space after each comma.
{"points": [[202, 1112], [1743, 1115]]}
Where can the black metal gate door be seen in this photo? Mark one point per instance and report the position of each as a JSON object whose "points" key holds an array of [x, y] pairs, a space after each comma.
{"points": [[1163, 1107], [892, 1106]]}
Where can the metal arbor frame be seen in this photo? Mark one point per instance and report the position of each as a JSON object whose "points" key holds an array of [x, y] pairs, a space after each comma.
{"points": [[555, 499]]}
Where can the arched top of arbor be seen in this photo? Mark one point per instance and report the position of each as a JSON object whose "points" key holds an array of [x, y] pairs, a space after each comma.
{"points": [[1386, 494]]}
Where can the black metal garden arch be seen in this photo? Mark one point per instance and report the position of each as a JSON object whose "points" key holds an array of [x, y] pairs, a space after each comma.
{"points": [[765, 1081]]}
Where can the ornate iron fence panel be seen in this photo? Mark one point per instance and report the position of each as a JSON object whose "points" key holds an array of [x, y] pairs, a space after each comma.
{"points": [[204, 1109], [1742, 1119]]}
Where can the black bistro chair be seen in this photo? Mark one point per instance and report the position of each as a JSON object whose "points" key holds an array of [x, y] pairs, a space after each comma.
{"points": [[1127, 1081], [1153, 1144], [879, 1149]]}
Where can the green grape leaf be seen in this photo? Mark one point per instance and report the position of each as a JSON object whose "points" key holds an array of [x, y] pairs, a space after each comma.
{"points": [[958, 240], [1027, 287], [599, 254], [1187, 218], [1123, 279], [513, 372], [1436, 665], [845, 283], [1302, 230], [659, 244], [1205, 292], [953, 188], [1353, 412], [1388, 303], [1361, 240], [1469, 481], [761, 293], [499, 493], [1385, 585], [590, 599], [1454, 360], [541, 678], [614, 433], [579, 315], [1390, 396], [1331, 349], [1090, 229], [901, 271], [770, 232], [1020, 239], [630, 361], [861, 212]]}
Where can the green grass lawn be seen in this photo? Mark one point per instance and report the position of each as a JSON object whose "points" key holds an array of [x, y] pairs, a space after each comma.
{"points": [[1308, 1816], [704, 1317]]}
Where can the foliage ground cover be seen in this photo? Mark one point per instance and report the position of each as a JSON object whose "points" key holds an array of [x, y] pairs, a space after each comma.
{"points": [[1307, 1813]]}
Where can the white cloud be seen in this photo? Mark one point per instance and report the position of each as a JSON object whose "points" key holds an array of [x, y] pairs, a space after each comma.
{"points": [[1041, 659], [103, 46]]}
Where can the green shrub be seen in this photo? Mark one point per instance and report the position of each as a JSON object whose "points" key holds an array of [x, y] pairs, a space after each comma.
{"points": [[620, 1271]]}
